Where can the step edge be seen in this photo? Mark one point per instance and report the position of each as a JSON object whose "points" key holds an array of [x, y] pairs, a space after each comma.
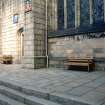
{"points": [[26, 90], [45, 94], [8, 100], [25, 98]]}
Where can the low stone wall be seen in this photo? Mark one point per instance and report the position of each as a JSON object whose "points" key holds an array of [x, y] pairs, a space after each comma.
{"points": [[57, 62], [61, 48], [100, 64]]}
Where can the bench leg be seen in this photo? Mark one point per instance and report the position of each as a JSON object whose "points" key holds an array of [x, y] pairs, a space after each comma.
{"points": [[88, 68]]}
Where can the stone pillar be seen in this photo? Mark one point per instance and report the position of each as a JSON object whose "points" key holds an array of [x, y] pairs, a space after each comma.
{"points": [[28, 61], [54, 17], [39, 16], [49, 15], [77, 13], [65, 14], [54, 14], [56, 21], [91, 11], [35, 27]]}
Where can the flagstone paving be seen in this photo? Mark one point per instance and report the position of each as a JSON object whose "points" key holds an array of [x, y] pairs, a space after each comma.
{"points": [[89, 87]]}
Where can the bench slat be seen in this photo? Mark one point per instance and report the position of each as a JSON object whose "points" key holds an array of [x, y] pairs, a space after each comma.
{"points": [[80, 62], [77, 64]]}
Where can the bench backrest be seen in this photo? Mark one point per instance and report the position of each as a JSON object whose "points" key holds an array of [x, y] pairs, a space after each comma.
{"points": [[80, 60]]}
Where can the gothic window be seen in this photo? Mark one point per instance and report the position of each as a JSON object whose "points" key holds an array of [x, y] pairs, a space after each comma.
{"points": [[98, 11], [70, 13], [85, 12], [60, 14]]}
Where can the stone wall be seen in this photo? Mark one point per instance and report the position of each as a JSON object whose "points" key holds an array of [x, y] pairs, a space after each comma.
{"points": [[35, 56], [0, 28], [9, 29], [32, 24], [28, 61], [0, 39], [76, 47], [39, 12]]}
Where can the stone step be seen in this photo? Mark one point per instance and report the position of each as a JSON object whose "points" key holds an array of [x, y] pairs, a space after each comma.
{"points": [[54, 97], [23, 98], [26, 90], [4, 100]]}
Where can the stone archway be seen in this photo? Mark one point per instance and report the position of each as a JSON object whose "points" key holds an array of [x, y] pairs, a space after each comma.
{"points": [[20, 45]]}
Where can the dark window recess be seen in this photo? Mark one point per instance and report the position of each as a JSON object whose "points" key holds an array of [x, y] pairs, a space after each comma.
{"points": [[85, 13], [60, 14], [70, 13], [98, 11]]}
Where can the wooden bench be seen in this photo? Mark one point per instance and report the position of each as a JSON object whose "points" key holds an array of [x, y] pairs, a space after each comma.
{"points": [[1, 59], [6, 59], [89, 63]]}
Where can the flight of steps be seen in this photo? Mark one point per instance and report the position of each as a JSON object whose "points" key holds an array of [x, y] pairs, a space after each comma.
{"points": [[11, 94]]}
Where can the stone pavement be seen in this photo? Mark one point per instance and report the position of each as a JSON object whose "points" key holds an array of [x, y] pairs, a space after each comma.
{"points": [[88, 87]]}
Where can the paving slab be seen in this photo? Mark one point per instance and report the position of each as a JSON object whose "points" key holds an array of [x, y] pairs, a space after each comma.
{"points": [[94, 97], [87, 86], [79, 91], [103, 104]]}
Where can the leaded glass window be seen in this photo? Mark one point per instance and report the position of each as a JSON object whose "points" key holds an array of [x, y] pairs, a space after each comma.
{"points": [[60, 14], [70, 13], [98, 11], [85, 12]]}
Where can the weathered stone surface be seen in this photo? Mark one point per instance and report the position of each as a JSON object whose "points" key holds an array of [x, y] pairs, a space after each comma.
{"points": [[68, 47], [69, 87]]}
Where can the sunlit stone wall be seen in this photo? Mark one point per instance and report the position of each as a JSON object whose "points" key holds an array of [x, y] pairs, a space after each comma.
{"points": [[33, 24], [9, 29], [0, 39], [0, 28]]}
